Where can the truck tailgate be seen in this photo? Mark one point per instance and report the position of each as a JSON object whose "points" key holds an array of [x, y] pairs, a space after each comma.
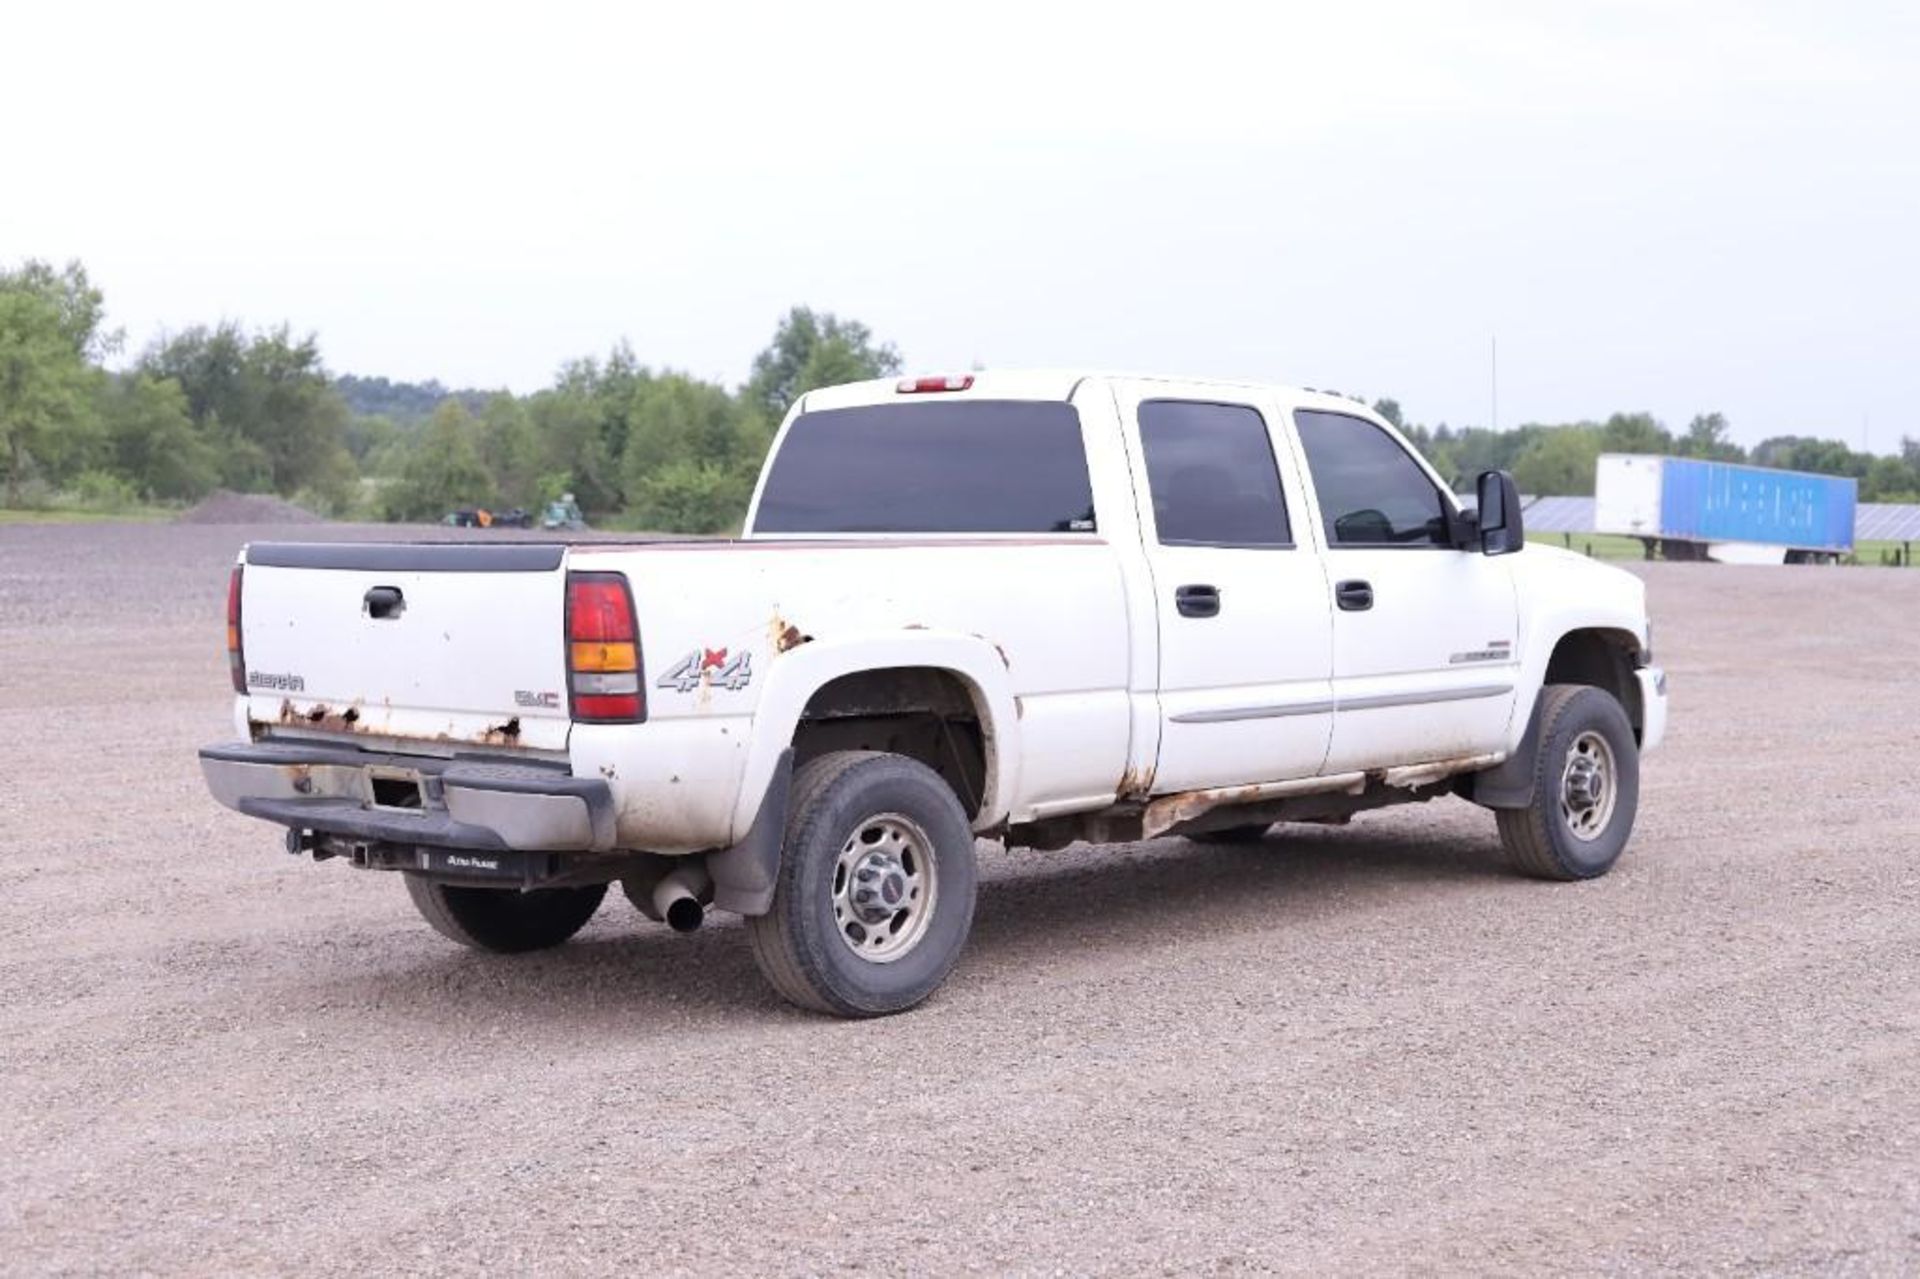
{"points": [[454, 644]]}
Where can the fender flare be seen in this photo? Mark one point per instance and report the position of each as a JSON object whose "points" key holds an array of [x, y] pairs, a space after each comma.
{"points": [[1509, 784], [797, 674]]}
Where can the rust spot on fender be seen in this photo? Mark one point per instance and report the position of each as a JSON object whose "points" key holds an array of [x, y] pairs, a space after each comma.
{"points": [[783, 635]]}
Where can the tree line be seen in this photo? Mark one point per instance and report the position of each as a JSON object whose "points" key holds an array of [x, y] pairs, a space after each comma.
{"points": [[1558, 460], [257, 410], [222, 406]]}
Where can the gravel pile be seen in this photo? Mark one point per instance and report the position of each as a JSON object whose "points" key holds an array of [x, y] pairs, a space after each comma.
{"points": [[224, 507]]}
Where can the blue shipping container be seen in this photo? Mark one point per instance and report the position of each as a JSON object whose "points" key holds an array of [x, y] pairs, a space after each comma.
{"points": [[1722, 502]]}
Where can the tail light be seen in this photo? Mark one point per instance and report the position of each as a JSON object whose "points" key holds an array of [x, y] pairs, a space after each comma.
{"points": [[603, 650], [236, 659]]}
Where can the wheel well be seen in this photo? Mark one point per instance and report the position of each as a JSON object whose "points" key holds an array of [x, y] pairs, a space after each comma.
{"points": [[1603, 659], [922, 712]]}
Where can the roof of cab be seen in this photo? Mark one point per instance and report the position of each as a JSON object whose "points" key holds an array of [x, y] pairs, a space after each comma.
{"points": [[1057, 384]]}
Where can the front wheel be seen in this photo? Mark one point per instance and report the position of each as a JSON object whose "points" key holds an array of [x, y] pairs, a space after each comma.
{"points": [[504, 920], [876, 887], [1586, 788]]}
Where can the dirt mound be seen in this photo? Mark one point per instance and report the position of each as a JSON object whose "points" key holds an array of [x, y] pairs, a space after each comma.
{"points": [[224, 507]]}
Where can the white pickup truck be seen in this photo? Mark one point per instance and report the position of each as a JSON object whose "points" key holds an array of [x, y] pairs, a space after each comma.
{"points": [[1026, 607]]}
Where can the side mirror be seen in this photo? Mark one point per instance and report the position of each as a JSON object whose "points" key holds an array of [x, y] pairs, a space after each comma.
{"points": [[1501, 530]]}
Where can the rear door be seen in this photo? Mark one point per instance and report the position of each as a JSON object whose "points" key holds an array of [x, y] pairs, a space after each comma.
{"points": [[453, 645], [1425, 636], [1242, 609]]}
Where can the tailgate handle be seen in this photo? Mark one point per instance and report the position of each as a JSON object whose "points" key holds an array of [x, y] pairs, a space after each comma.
{"points": [[385, 602]]}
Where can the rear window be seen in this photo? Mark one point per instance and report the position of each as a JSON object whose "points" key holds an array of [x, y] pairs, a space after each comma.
{"points": [[978, 466]]}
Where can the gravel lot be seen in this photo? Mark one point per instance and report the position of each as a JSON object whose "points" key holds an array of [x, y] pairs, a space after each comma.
{"points": [[1358, 1049]]}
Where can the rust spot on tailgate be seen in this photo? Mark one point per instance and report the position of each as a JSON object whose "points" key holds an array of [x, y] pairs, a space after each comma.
{"points": [[501, 734], [321, 715]]}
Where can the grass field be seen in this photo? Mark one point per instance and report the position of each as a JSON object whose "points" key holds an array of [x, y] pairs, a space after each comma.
{"points": [[1613, 546]]}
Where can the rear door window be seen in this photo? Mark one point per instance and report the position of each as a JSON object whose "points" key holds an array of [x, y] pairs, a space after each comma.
{"points": [[945, 466], [1211, 470], [1372, 492]]}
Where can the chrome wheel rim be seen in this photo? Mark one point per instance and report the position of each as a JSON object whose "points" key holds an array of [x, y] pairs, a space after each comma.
{"points": [[884, 884], [1589, 785]]}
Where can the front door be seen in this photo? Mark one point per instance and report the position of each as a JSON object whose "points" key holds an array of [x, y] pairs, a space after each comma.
{"points": [[1245, 626], [1425, 636]]}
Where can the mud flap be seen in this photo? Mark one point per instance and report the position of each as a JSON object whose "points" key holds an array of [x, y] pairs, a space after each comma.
{"points": [[744, 875], [1510, 783]]}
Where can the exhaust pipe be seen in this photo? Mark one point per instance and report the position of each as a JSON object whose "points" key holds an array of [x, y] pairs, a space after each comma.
{"points": [[676, 898]]}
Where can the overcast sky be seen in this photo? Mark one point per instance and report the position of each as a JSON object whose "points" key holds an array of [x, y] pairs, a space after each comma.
{"points": [[1662, 205]]}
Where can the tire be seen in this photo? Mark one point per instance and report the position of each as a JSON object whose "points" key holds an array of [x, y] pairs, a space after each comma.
{"points": [[864, 821], [504, 920], [1571, 831], [1233, 834]]}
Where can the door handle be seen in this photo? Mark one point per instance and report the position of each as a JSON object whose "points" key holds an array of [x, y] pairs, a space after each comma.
{"points": [[1354, 597], [384, 603], [1197, 601]]}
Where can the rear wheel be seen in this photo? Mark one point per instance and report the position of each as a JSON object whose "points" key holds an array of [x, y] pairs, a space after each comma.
{"points": [[504, 920], [876, 887], [1586, 788]]}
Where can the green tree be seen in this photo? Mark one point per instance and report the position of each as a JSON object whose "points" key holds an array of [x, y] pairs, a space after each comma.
{"points": [[1634, 433], [572, 451], [610, 385], [691, 455], [812, 350], [1706, 437], [442, 469], [510, 450], [154, 444], [1559, 462], [265, 400], [1801, 453], [686, 496], [1889, 479], [369, 435], [1389, 409], [49, 335]]}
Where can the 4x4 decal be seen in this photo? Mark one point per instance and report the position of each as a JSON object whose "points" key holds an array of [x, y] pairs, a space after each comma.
{"points": [[731, 673]]}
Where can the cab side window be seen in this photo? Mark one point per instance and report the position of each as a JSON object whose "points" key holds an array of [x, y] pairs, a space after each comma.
{"points": [[1372, 492], [1211, 470]]}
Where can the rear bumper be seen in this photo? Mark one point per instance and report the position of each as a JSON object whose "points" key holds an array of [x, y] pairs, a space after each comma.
{"points": [[462, 803]]}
